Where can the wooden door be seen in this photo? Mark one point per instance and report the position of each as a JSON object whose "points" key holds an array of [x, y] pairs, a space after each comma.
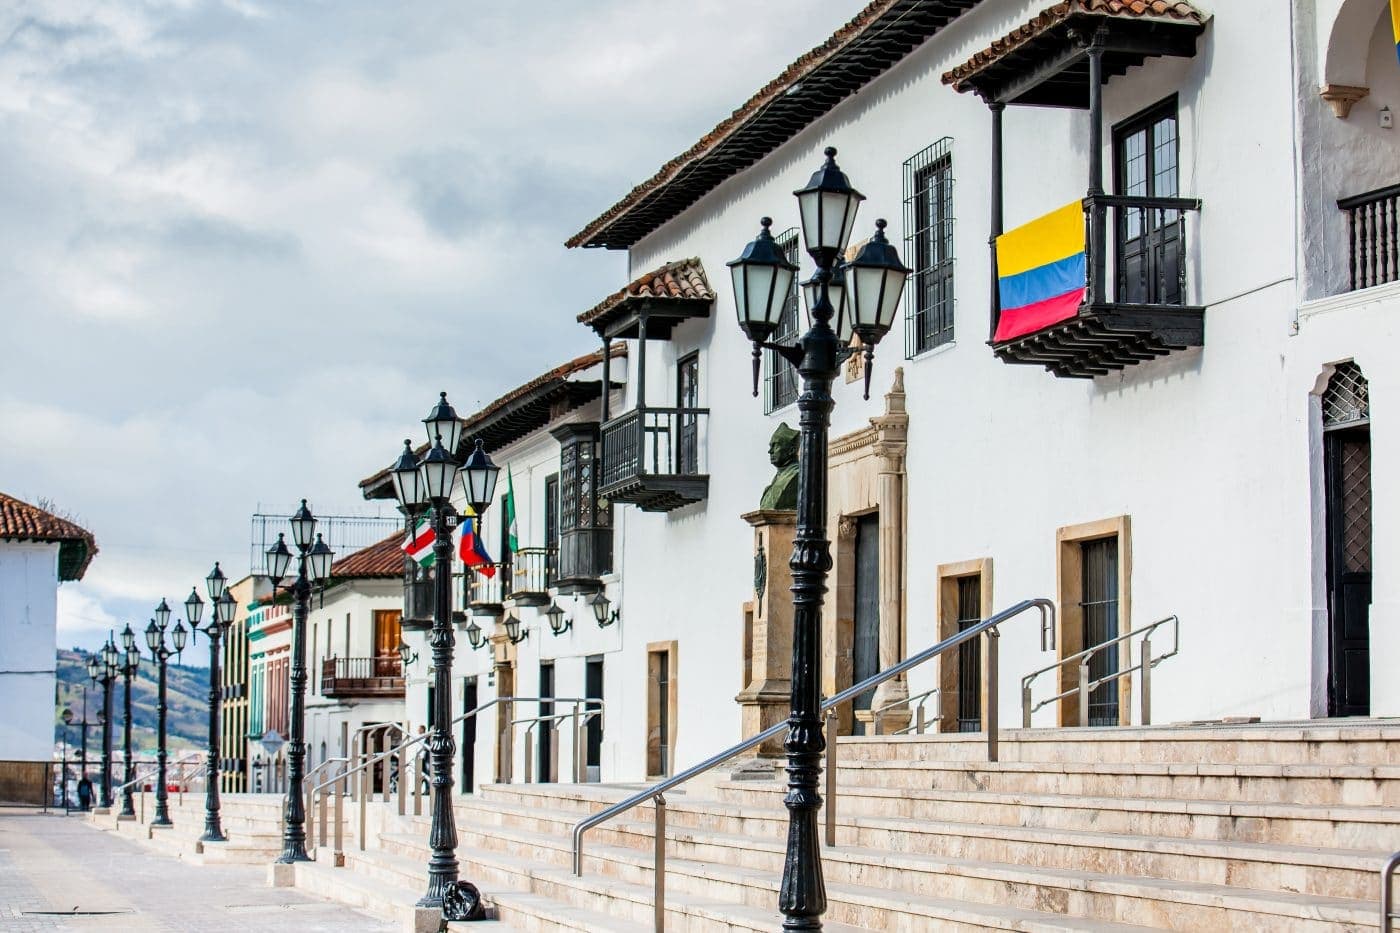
{"points": [[970, 655], [865, 649], [469, 702], [593, 689]]}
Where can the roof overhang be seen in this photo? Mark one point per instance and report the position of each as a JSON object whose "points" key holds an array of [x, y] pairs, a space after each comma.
{"points": [[870, 44], [1045, 62], [518, 413], [664, 298]]}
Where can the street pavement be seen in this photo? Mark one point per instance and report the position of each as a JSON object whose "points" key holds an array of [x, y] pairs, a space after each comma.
{"points": [[63, 873]]}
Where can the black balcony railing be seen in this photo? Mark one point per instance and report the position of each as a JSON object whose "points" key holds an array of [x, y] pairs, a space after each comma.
{"points": [[1372, 239], [1148, 258], [656, 457], [362, 677]]}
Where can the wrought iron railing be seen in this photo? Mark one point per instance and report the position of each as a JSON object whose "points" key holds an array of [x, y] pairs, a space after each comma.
{"points": [[655, 442], [533, 569], [1373, 242], [379, 675], [1148, 252]]}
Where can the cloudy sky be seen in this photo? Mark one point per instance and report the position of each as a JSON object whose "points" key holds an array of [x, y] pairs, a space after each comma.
{"points": [[243, 243]]}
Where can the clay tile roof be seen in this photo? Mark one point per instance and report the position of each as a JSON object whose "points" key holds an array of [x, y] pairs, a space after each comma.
{"points": [[684, 279], [1047, 19], [20, 521], [877, 37], [523, 409], [381, 559]]}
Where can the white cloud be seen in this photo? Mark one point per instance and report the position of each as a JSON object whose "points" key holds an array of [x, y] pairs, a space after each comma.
{"points": [[244, 244]]}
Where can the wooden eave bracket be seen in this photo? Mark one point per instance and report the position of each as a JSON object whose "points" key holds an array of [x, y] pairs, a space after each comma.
{"points": [[1342, 96]]}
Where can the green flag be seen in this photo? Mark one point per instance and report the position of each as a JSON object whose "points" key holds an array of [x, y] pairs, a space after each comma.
{"points": [[511, 531]]}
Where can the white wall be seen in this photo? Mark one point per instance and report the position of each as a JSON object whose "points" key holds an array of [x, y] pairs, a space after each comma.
{"points": [[1207, 450], [28, 651]]}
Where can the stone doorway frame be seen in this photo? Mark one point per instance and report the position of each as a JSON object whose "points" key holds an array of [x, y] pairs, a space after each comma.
{"points": [[866, 473]]}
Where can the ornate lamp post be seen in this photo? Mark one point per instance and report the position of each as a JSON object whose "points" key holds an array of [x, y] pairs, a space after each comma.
{"points": [[223, 605], [874, 281], [428, 484], [103, 669], [160, 655], [131, 661], [313, 564]]}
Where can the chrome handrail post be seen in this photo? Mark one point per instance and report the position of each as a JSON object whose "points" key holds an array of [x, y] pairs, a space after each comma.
{"points": [[659, 868], [992, 638], [1084, 692], [339, 853], [1145, 687], [1387, 881], [833, 723]]}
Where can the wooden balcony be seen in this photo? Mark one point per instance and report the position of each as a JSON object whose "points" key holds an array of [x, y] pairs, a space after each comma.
{"points": [[1144, 316], [654, 458], [1373, 244], [362, 678], [487, 588], [585, 554]]}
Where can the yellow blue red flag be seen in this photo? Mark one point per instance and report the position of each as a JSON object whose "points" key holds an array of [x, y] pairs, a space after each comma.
{"points": [[1395, 25], [1040, 271]]}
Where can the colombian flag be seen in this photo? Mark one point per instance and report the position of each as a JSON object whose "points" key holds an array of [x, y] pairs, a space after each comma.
{"points": [[1040, 271], [469, 546], [1395, 24]]}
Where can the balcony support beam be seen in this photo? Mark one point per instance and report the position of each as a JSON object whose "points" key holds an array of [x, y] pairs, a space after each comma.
{"points": [[1098, 226]]}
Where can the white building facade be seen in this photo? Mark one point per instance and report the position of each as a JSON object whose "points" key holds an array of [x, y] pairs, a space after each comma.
{"points": [[38, 552], [1213, 464]]}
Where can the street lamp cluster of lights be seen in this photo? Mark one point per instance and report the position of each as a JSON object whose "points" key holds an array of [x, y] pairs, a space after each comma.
{"points": [[422, 485]]}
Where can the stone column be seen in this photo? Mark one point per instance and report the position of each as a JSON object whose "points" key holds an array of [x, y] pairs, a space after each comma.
{"points": [[765, 698], [892, 435]]}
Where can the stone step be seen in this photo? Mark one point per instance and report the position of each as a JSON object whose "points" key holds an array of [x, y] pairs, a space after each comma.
{"points": [[1286, 823], [1324, 785], [736, 899], [624, 849], [1322, 742]]}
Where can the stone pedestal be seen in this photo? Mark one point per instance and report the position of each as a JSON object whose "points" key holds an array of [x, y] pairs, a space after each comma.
{"points": [[767, 697]]}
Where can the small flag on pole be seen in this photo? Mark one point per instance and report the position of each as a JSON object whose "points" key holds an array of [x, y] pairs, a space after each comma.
{"points": [[469, 546], [511, 535], [419, 545]]}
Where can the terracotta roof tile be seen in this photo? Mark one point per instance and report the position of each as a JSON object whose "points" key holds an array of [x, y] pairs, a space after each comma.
{"points": [[381, 559], [1053, 16], [684, 278], [20, 521]]}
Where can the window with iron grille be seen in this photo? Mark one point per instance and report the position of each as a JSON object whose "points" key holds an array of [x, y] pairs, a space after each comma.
{"points": [[928, 244], [779, 378]]}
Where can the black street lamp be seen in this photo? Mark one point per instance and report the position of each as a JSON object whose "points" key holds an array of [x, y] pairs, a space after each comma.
{"points": [[223, 605], [313, 564], [131, 661], [874, 281], [427, 484], [103, 669], [160, 655], [558, 622]]}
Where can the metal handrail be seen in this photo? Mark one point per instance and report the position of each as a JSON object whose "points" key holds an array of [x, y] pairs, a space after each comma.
{"points": [[1085, 686], [655, 792], [919, 718], [1387, 881], [191, 758], [370, 761], [580, 720]]}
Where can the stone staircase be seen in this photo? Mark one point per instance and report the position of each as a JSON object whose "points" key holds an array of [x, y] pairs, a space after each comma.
{"points": [[252, 824], [1239, 827]]}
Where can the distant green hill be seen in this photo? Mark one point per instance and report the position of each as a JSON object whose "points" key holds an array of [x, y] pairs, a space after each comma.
{"points": [[186, 698]]}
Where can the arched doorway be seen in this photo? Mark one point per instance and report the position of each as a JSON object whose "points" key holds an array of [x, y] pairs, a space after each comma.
{"points": [[1346, 461]]}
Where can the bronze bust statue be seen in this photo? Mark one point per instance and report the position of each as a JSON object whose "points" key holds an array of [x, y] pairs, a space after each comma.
{"points": [[782, 452]]}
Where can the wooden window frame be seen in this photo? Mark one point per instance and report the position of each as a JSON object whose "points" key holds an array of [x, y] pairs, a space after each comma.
{"points": [[1069, 575], [948, 577]]}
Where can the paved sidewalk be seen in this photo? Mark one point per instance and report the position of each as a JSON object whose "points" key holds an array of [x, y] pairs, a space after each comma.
{"points": [[52, 864]]}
